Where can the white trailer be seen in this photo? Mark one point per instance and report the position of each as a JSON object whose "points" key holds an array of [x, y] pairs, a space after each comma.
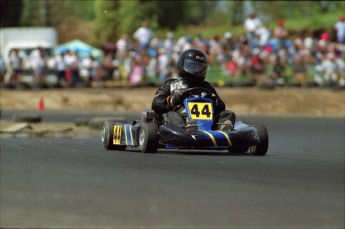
{"points": [[26, 39]]}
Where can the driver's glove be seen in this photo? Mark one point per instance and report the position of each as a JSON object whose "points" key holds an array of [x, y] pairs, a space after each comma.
{"points": [[175, 98]]}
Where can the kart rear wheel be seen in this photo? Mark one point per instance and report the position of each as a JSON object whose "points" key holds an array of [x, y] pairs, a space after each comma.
{"points": [[261, 148], [148, 137], [108, 135]]}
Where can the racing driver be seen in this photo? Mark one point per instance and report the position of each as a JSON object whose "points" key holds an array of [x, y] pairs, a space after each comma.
{"points": [[192, 68]]}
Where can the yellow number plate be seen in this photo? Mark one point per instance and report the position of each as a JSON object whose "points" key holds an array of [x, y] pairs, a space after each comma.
{"points": [[200, 110], [117, 135]]}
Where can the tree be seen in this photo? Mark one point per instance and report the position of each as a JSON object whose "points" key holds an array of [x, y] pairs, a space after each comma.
{"points": [[32, 13], [236, 11], [115, 18], [83, 9], [107, 21], [196, 12], [170, 13]]}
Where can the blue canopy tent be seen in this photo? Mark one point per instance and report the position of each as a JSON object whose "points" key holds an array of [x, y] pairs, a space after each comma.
{"points": [[83, 49]]}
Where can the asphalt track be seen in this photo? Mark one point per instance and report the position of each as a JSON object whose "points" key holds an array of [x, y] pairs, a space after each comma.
{"points": [[72, 182]]}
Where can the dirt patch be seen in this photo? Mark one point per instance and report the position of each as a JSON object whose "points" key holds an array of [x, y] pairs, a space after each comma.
{"points": [[12, 129], [251, 101]]}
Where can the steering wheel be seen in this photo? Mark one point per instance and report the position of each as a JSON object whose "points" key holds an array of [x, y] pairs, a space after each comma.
{"points": [[186, 93], [197, 91]]}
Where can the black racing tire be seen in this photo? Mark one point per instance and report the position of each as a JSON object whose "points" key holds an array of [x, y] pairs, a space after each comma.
{"points": [[148, 137], [108, 134], [262, 147]]}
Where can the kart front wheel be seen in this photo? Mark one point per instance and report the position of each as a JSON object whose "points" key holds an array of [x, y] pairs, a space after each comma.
{"points": [[108, 136], [148, 137], [261, 148]]}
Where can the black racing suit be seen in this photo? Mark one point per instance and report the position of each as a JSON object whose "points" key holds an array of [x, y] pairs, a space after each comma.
{"points": [[160, 104]]}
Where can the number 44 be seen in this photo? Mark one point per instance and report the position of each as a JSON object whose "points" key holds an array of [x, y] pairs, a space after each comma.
{"points": [[205, 111]]}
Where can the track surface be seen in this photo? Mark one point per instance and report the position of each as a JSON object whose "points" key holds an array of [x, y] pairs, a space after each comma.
{"points": [[74, 182]]}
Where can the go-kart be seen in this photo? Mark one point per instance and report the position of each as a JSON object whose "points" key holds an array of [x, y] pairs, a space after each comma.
{"points": [[153, 131]]}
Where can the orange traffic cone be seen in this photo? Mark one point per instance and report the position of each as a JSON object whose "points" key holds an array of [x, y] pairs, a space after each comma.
{"points": [[40, 105]]}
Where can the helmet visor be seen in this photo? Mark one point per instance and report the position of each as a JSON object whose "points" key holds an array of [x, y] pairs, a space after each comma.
{"points": [[195, 68]]}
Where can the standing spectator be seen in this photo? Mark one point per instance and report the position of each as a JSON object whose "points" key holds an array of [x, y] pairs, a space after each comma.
{"points": [[263, 34], [281, 33], [90, 68], [163, 65], [229, 66], [257, 66], [122, 46], [228, 44], [325, 37], [169, 43], [309, 43], [200, 43], [299, 70], [341, 71], [122, 65], [240, 56], [60, 69], [143, 35], [216, 52], [250, 25], [108, 65], [152, 68], [173, 74], [278, 71], [137, 74], [138, 71], [16, 67], [183, 43], [38, 65], [72, 70], [156, 43], [340, 28], [329, 69]]}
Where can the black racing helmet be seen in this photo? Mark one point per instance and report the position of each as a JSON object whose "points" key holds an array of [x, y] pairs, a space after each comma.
{"points": [[192, 66]]}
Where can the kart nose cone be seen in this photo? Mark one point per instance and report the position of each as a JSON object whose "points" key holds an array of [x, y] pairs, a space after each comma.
{"points": [[175, 135]]}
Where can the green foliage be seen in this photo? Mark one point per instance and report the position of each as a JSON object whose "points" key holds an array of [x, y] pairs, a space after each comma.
{"points": [[293, 12], [129, 16], [30, 14], [126, 16], [169, 20], [82, 9], [53, 12], [235, 12], [111, 18], [59, 12], [196, 12], [107, 20]]}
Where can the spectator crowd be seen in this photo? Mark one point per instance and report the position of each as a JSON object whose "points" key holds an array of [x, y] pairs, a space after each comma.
{"points": [[259, 56]]}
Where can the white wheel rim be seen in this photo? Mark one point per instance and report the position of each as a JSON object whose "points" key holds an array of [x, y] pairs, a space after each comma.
{"points": [[103, 135], [141, 137]]}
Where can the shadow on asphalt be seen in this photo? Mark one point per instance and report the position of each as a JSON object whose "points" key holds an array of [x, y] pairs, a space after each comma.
{"points": [[194, 152]]}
